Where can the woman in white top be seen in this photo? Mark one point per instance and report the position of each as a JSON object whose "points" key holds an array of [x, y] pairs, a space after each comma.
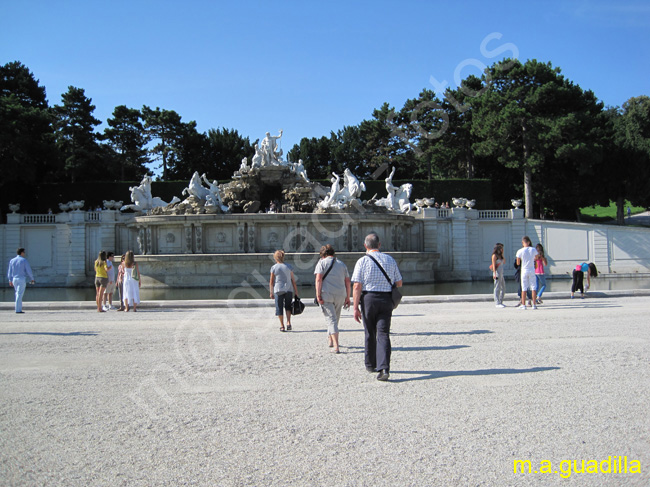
{"points": [[132, 280]]}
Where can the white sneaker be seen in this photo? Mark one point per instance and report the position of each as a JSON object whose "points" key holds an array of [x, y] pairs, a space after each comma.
{"points": [[111, 307], [105, 308], [522, 306], [534, 307], [500, 305]]}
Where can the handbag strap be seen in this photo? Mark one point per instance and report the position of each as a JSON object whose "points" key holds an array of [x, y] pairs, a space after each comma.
{"points": [[381, 269], [329, 268]]}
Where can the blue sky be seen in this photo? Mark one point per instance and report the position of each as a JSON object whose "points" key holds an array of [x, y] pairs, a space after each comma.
{"points": [[312, 67]]}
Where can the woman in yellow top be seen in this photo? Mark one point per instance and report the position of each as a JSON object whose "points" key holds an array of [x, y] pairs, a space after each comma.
{"points": [[101, 279]]}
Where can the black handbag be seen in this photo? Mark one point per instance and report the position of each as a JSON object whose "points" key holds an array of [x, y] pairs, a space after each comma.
{"points": [[297, 307], [324, 276], [395, 294]]}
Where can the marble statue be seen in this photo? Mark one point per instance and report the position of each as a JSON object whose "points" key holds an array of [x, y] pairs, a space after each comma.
{"points": [[195, 187], [299, 169], [243, 168], [258, 159], [402, 198], [214, 196], [332, 197], [142, 198], [352, 188], [347, 195], [397, 198], [270, 155], [391, 190]]}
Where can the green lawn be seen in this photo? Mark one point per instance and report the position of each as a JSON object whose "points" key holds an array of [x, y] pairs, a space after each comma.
{"points": [[608, 212]]}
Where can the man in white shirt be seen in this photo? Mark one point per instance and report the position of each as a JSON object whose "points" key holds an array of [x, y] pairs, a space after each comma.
{"points": [[526, 259]]}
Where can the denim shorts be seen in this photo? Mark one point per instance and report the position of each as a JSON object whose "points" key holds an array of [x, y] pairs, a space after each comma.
{"points": [[283, 299]]}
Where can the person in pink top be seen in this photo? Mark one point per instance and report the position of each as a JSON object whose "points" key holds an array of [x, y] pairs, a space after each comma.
{"points": [[540, 262]]}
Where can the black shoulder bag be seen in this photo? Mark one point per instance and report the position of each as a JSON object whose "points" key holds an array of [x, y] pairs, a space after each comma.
{"points": [[395, 294], [324, 276]]}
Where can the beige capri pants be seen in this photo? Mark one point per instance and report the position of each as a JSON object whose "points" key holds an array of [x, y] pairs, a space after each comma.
{"points": [[331, 309]]}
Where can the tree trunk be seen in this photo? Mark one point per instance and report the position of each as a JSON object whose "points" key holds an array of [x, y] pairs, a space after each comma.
{"points": [[620, 211], [528, 175], [470, 167], [528, 192]]}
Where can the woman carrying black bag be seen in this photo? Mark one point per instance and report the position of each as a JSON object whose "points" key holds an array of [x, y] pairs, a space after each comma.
{"points": [[280, 284], [332, 292]]}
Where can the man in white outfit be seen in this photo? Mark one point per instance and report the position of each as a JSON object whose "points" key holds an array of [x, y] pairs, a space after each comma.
{"points": [[526, 259]]}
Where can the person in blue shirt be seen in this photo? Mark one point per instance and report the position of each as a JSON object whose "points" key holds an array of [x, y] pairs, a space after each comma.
{"points": [[578, 277], [19, 271]]}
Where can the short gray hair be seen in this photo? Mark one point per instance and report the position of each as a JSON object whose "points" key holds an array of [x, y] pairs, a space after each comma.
{"points": [[372, 241]]}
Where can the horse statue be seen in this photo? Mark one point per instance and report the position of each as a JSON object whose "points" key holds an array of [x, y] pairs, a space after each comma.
{"points": [[195, 187], [142, 198], [352, 188], [402, 198]]}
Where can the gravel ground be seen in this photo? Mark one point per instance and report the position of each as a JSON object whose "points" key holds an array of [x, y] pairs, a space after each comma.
{"points": [[219, 397]]}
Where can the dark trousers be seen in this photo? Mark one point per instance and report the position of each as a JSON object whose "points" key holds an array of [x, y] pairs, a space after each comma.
{"points": [[577, 284], [376, 311]]}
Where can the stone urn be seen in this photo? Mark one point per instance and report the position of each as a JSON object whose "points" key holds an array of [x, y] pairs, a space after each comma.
{"points": [[419, 202], [470, 204], [118, 204], [77, 205], [109, 204], [516, 203], [14, 207], [429, 202], [64, 207], [459, 202]]}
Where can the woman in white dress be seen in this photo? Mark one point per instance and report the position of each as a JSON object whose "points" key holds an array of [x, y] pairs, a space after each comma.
{"points": [[132, 280]]}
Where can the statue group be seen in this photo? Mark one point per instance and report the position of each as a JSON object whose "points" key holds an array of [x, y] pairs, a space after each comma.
{"points": [[204, 196]]}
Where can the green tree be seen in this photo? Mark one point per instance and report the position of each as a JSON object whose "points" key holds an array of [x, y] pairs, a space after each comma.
{"points": [[166, 129], [225, 149], [531, 114], [127, 136], [346, 147], [628, 176], [316, 154], [383, 143], [76, 137], [27, 151]]}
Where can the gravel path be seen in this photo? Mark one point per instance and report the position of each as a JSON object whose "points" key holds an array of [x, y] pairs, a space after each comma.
{"points": [[219, 397]]}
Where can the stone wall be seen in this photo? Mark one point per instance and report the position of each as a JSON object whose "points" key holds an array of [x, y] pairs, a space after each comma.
{"points": [[226, 250]]}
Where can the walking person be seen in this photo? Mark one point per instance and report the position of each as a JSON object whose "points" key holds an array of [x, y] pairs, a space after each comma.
{"points": [[540, 263], [110, 287], [332, 292], [17, 274], [374, 305], [132, 282], [101, 280], [280, 285], [526, 259], [578, 278], [498, 264]]}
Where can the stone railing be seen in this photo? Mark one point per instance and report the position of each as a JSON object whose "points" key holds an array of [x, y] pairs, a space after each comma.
{"points": [[93, 216], [494, 215], [469, 214], [48, 218]]}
